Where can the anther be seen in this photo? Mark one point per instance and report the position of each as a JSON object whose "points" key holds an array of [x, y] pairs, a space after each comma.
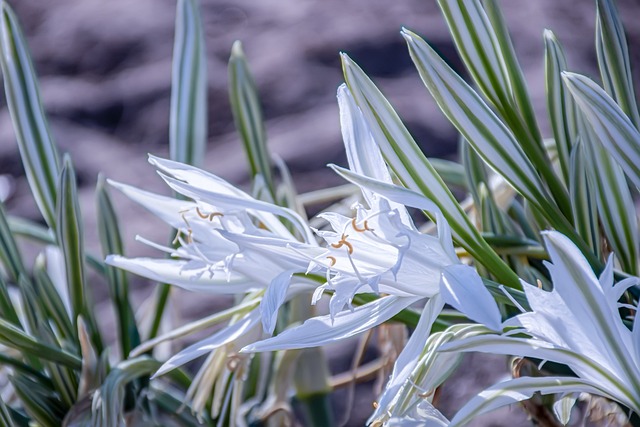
{"points": [[343, 242], [214, 214], [358, 229], [333, 260], [200, 214]]}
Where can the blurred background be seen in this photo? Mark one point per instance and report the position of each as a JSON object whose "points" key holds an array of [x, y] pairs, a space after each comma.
{"points": [[105, 73]]}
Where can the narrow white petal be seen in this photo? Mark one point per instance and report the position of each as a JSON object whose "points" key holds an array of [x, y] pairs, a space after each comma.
{"points": [[392, 192], [166, 208], [262, 210], [322, 330], [224, 336], [180, 273], [462, 288], [274, 297]]}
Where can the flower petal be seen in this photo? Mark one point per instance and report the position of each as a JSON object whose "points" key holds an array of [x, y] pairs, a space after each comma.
{"points": [[180, 273], [226, 335], [462, 288], [322, 330]]}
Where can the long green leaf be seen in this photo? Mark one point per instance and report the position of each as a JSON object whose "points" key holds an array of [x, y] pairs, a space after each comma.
{"points": [[7, 310], [414, 170], [519, 91], [583, 199], [188, 121], [613, 59], [71, 241], [40, 403], [560, 105], [611, 125], [37, 150], [9, 253], [13, 337], [615, 204], [247, 115], [485, 47], [52, 302], [111, 243]]}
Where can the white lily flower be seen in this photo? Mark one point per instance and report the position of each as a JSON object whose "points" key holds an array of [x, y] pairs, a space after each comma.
{"points": [[377, 251], [576, 324]]}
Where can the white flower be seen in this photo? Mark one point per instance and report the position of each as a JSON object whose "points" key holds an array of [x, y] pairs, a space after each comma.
{"points": [[576, 324]]}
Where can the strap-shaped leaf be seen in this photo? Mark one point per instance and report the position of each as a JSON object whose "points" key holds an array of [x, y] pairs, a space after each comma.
{"points": [[478, 47], [615, 204], [612, 127], [483, 41], [520, 93], [247, 115], [71, 242], [52, 301], [41, 403], [560, 105], [13, 337], [414, 170], [111, 242], [583, 199], [613, 59], [37, 150], [70, 237], [491, 139], [9, 253], [188, 121]]}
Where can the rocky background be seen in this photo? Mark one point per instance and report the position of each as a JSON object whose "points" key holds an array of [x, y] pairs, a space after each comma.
{"points": [[105, 72]]}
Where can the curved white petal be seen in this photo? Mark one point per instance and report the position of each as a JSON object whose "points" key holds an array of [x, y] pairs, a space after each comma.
{"points": [[220, 338], [181, 273], [462, 288], [322, 330]]}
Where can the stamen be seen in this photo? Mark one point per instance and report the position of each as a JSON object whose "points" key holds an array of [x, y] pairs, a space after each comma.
{"points": [[375, 405], [214, 214], [539, 283], [333, 260], [358, 229], [200, 214], [343, 242]]}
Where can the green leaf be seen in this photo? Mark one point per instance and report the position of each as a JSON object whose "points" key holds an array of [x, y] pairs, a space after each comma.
{"points": [[7, 310], [13, 337], [485, 47], [40, 403], [111, 242], [583, 198], [560, 105], [9, 253], [452, 173], [108, 401], [519, 92], [52, 302], [493, 141], [31, 230], [37, 150], [612, 127], [615, 204], [188, 119], [247, 115], [613, 59], [71, 241]]}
